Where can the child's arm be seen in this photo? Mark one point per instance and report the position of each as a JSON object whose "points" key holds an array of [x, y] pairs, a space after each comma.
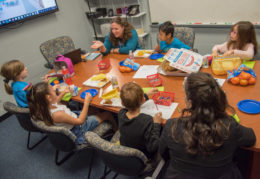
{"points": [[60, 96], [157, 48], [62, 117], [222, 48], [152, 134], [248, 53]]}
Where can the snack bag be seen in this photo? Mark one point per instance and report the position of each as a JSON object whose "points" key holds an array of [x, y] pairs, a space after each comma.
{"points": [[129, 63]]}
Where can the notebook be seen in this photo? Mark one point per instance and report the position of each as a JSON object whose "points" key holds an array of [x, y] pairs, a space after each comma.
{"points": [[74, 55]]}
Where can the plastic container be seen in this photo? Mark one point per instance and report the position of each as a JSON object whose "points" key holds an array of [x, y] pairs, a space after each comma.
{"points": [[221, 65], [104, 64], [131, 55], [67, 78], [163, 98], [154, 80], [114, 82], [74, 90]]}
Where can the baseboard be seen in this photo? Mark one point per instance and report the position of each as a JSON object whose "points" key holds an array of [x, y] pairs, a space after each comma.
{"points": [[5, 116]]}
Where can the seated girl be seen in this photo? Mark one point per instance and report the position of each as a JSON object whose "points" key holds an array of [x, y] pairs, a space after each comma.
{"points": [[44, 105], [242, 42]]}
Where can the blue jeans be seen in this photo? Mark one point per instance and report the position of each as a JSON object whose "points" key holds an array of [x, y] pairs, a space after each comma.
{"points": [[79, 130]]}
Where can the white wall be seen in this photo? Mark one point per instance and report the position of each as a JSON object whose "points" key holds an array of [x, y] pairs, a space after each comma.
{"points": [[23, 42]]}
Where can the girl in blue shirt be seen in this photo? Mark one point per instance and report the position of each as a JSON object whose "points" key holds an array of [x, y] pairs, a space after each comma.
{"points": [[16, 71], [122, 38], [167, 41]]}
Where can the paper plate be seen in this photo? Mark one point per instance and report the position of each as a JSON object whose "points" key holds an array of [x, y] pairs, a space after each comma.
{"points": [[156, 56], [249, 106], [93, 93]]}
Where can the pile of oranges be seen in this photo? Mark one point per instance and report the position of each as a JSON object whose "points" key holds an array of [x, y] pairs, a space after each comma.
{"points": [[124, 69], [243, 79]]}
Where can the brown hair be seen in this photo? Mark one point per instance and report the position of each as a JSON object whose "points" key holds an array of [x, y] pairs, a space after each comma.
{"points": [[127, 34], [132, 96], [10, 71], [205, 121], [167, 27], [38, 103], [246, 34]]}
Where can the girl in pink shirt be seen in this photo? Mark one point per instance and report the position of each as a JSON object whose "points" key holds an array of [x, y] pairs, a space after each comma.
{"points": [[242, 42]]}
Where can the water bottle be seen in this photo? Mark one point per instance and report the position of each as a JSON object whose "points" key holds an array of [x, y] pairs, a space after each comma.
{"points": [[67, 78], [131, 55], [114, 82]]}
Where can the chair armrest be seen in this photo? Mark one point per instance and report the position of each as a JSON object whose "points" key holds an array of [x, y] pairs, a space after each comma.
{"points": [[157, 170]]}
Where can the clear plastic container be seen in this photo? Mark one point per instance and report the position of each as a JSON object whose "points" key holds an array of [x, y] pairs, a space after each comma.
{"points": [[67, 78]]}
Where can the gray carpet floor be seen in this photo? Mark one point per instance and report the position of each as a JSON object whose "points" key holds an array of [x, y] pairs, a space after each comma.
{"points": [[16, 161]]}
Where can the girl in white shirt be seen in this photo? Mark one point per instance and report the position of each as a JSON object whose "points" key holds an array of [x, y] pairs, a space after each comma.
{"points": [[242, 42], [44, 105]]}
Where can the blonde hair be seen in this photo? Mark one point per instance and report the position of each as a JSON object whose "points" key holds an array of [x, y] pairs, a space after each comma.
{"points": [[10, 71]]}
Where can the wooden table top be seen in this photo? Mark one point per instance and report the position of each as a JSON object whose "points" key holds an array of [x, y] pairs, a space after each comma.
{"points": [[85, 70]]}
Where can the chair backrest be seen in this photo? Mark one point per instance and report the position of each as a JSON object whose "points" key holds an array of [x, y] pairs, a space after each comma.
{"points": [[60, 137], [60, 45], [22, 115], [121, 159], [186, 35]]}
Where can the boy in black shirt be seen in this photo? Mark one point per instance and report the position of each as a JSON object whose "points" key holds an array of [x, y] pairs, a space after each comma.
{"points": [[138, 130]]}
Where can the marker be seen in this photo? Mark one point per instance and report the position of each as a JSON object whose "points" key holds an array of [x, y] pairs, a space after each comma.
{"points": [[179, 110], [198, 23]]}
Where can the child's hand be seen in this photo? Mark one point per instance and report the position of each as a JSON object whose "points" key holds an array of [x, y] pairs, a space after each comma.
{"points": [[215, 54], [88, 98], [66, 90], [45, 78], [229, 53], [158, 118], [152, 91]]}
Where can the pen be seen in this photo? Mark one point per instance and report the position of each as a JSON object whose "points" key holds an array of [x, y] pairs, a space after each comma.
{"points": [[156, 106]]}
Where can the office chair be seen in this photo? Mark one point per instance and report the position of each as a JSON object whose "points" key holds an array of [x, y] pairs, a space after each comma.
{"points": [[64, 140], [24, 119], [120, 159], [51, 48]]}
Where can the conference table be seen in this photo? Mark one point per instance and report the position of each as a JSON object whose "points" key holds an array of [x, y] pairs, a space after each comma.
{"points": [[84, 70]]}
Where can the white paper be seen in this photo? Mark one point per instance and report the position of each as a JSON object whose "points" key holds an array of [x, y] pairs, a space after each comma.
{"points": [[97, 84], [150, 108], [145, 71], [220, 81], [116, 102]]}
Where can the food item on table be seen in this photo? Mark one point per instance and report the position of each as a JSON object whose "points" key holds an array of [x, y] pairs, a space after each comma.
{"points": [[243, 82], [244, 75], [56, 82], [109, 95], [140, 53], [165, 65], [251, 80], [100, 76], [108, 102], [235, 80], [124, 69]]}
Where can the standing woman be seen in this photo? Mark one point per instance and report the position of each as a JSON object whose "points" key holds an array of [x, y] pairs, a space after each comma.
{"points": [[202, 142], [122, 38]]}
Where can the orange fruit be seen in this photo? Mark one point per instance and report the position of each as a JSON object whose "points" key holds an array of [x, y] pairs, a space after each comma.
{"points": [[244, 75], [235, 80], [251, 80], [56, 82], [243, 82]]}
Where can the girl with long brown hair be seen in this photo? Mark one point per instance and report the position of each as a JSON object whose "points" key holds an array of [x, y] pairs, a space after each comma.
{"points": [[242, 42], [202, 142], [122, 38], [45, 105]]}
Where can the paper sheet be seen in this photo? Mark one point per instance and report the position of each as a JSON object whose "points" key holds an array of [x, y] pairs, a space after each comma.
{"points": [[150, 108], [146, 70], [160, 88], [220, 81], [249, 63]]}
